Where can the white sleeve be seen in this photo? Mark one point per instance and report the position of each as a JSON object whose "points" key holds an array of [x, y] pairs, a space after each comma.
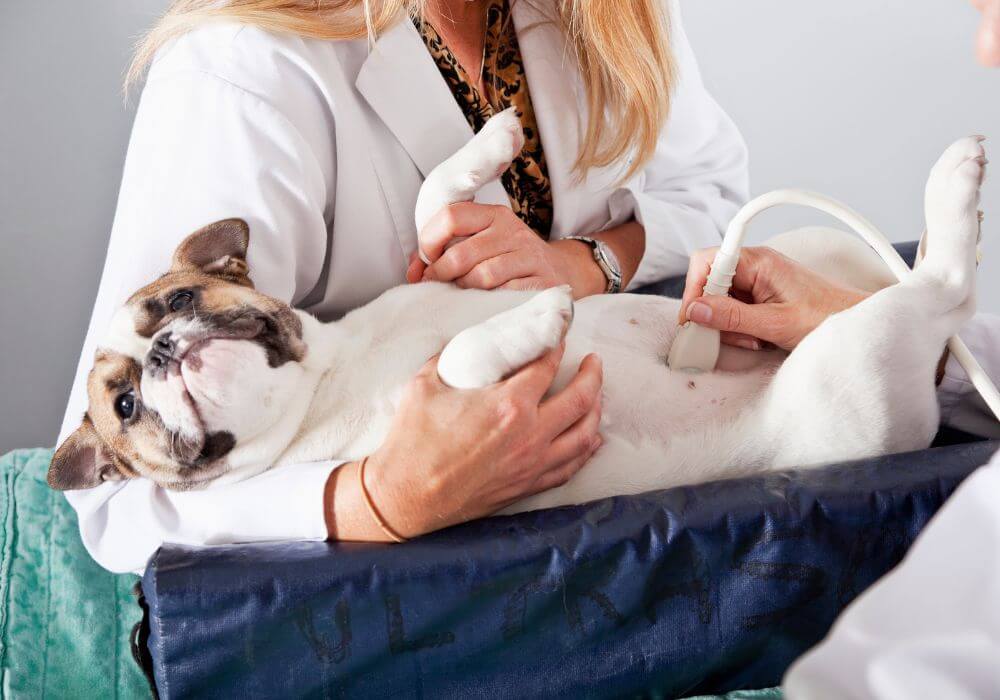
{"points": [[961, 405], [203, 149], [931, 628], [697, 179]]}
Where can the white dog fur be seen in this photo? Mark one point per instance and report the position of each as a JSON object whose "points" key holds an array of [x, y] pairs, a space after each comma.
{"points": [[859, 385]]}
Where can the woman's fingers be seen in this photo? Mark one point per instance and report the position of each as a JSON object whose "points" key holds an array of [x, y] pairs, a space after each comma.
{"points": [[415, 268], [740, 340], [581, 438], [530, 383], [497, 271], [528, 284], [697, 276], [460, 259], [763, 321], [455, 221], [988, 38], [564, 472], [578, 397]]}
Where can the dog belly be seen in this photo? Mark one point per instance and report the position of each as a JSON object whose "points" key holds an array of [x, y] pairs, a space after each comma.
{"points": [[661, 428], [657, 424]]}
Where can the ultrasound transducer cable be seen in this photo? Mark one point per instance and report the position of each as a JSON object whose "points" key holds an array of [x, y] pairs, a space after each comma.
{"points": [[696, 348]]}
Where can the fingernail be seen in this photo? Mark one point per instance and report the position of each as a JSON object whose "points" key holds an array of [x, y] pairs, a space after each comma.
{"points": [[747, 343], [596, 443], [700, 313]]}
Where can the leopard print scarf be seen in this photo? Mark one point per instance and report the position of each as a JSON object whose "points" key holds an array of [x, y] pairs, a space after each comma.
{"points": [[505, 85]]}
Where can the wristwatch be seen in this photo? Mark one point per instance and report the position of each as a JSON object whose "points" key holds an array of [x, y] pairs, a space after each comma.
{"points": [[606, 260]]}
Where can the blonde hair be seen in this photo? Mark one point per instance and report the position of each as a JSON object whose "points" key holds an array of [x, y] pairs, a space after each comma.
{"points": [[621, 46]]}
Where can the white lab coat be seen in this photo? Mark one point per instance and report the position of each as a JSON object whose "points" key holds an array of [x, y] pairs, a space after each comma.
{"points": [[321, 146]]}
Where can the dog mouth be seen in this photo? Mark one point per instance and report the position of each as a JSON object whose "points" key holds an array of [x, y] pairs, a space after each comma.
{"points": [[197, 452]]}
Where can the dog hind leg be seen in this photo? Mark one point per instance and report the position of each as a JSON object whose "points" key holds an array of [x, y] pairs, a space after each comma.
{"points": [[862, 383]]}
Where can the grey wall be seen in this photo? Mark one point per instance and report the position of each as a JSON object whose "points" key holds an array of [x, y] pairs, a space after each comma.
{"points": [[854, 98], [63, 130]]}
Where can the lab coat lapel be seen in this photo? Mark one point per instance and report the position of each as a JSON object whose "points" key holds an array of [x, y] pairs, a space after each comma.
{"points": [[553, 82], [559, 101], [403, 85]]}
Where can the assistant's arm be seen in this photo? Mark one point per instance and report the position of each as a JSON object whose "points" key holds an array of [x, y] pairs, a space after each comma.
{"points": [[697, 179], [205, 148]]}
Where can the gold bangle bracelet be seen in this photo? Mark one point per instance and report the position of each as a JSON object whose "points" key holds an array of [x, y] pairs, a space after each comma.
{"points": [[376, 516]]}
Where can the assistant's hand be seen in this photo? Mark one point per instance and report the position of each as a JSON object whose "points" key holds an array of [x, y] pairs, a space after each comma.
{"points": [[453, 455], [988, 38], [774, 299], [500, 251]]}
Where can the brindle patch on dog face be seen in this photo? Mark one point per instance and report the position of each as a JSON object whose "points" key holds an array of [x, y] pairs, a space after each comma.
{"points": [[207, 295]]}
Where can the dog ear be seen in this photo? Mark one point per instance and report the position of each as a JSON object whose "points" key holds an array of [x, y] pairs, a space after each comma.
{"points": [[82, 461], [217, 249]]}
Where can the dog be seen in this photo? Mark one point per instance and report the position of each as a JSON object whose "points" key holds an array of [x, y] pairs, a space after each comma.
{"points": [[204, 380]]}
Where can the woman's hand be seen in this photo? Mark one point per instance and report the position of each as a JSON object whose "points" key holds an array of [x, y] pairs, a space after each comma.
{"points": [[988, 38], [453, 455], [503, 254], [774, 299]]}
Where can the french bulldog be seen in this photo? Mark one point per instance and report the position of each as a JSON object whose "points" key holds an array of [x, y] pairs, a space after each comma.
{"points": [[203, 380]]}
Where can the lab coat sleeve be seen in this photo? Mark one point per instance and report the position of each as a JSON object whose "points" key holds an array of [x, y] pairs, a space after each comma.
{"points": [[931, 628], [204, 148], [961, 405], [697, 179]]}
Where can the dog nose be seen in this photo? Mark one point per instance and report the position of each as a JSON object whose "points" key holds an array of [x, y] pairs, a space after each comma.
{"points": [[162, 351], [165, 344]]}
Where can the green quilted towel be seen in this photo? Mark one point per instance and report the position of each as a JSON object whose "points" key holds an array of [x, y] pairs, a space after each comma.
{"points": [[765, 694], [64, 621]]}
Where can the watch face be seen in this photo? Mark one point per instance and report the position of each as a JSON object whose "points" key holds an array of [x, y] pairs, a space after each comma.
{"points": [[608, 262], [610, 258]]}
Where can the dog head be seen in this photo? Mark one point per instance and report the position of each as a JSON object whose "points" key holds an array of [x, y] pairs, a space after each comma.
{"points": [[196, 365]]}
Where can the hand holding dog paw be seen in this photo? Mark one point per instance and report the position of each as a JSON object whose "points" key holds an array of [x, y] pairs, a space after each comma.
{"points": [[454, 455], [773, 299], [479, 246]]}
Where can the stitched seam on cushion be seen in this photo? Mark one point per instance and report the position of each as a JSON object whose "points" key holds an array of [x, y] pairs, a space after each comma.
{"points": [[48, 595], [115, 640], [155, 619], [6, 557]]}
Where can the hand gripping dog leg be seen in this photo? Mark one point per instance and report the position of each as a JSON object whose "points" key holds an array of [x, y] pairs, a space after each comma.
{"points": [[479, 162]]}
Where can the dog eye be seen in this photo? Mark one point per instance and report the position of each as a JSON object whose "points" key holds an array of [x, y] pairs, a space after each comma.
{"points": [[125, 405], [180, 300]]}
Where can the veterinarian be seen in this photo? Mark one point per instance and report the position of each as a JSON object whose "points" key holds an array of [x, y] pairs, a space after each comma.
{"points": [[931, 628], [285, 115]]}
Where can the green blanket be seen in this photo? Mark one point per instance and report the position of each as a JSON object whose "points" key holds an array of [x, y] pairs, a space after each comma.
{"points": [[64, 621]]}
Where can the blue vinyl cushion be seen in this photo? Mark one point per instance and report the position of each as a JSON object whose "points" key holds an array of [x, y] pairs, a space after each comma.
{"points": [[702, 589], [699, 589]]}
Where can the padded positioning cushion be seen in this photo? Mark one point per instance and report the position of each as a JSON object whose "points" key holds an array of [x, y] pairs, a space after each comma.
{"points": [[64, 621], [699, 589]]}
